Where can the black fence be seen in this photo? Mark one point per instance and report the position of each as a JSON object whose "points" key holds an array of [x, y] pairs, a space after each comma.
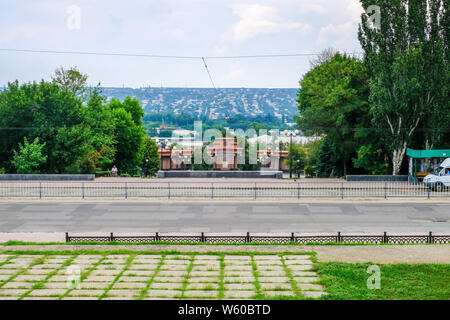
{"points": [[266, 239]]}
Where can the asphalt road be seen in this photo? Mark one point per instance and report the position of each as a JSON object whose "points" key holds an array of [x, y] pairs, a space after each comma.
{"points": [[307, 217]]}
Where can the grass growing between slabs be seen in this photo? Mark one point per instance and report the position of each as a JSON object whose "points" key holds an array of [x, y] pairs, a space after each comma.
{"points": [[398, 281]]}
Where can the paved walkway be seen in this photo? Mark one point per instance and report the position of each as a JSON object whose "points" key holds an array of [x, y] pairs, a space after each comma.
{"points": [[157, 276], [384, 254], [439, 254]]}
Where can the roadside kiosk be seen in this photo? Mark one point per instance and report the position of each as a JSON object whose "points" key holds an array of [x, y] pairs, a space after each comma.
{"points": [[424, 162]]}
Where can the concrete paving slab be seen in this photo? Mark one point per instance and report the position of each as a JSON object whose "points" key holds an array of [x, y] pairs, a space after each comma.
{"points": [[204, 279], [34, 278], [92, 278], [275, 286], [278, 293], [86, 293], [123, 293], [309, 287], [239, 279], [239, 286], [47, 292], [129, 285], [200, 294], [163, 293], [161, 278], [239, 294], [167, 285], [17, 285], [306, 279], [93, 285], [300, 267], [202, 286], [133, 279], [273, 279], [12, 292], [228, 273]]}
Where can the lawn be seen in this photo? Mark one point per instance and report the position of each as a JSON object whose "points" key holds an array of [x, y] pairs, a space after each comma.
{"points": [[398, 281]]}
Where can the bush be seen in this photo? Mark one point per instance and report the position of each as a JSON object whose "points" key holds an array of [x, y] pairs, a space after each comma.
{"points": [[102, 174]]}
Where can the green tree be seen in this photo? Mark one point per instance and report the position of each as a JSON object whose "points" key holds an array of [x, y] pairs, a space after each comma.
{"points": [[406, 61], [129, 139], [326, 160], [299, 159], [70, 79], [29, 158], [333, 102], [371, 160], [150, 160]]}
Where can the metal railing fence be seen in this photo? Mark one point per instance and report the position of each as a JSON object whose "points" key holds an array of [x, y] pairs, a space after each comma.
{"points": [[219, 190], [292, 238]]}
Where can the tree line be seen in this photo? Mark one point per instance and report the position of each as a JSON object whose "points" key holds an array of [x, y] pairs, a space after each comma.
{"points": [[369, 111], [62, 126]]}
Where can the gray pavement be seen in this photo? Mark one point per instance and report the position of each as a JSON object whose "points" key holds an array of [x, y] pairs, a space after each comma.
{"points": [[218, 217]]}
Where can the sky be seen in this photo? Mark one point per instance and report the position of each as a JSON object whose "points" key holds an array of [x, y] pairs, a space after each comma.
{"points": [[202, 28]]}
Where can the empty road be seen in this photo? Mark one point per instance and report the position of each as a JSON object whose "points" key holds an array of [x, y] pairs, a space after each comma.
{"points": [[307, 217]]}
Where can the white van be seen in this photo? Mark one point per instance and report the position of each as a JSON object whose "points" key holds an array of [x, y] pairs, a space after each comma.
{"points": [[441, 179]]}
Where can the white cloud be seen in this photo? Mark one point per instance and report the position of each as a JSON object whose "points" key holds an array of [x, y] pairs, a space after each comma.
{"points": [[235, 74], [258, 20], [177, 33], [338, 36]]}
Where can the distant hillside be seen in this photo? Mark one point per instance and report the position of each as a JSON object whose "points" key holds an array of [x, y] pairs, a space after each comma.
{"points": [[215, 103]]}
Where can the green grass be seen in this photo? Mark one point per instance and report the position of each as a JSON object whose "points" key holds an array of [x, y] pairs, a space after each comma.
{"points": [[398, 281]]}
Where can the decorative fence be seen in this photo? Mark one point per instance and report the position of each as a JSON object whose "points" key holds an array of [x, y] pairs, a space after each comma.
{"points": [[217, 190], [266, 239]]}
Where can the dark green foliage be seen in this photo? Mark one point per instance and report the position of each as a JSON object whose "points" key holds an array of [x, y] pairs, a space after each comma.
{"points": [[333, 102], [326, 160], [29, 158], [74, 137], [150, 157], [407, 60]]}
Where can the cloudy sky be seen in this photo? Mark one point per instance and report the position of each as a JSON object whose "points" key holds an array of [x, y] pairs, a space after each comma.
{"points": [[174, 27]]}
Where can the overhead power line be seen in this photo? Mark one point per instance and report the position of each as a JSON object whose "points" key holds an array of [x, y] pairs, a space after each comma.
{"points": [[136, 55], [209, 74]]}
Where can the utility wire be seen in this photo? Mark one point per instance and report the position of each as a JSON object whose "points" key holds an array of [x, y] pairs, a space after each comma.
{"points": [[209, 74], [159, 56]]}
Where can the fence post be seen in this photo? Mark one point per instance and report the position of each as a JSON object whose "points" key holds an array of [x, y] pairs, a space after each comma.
{"points": [[212, 190], [111, 237], [157, 237], [247, 239], [385, 239], [126, 191], [292, 238], [168, 189], [82, 190], [385, 190], [342, 190], [430, 238], [67, 237], [255, 190], [339, 237], [202, 238], [40, 190], [298, 190], [429, 194]]}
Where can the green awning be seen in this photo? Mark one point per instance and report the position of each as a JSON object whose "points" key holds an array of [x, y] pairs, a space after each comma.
{"points": [[420, 154]]}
